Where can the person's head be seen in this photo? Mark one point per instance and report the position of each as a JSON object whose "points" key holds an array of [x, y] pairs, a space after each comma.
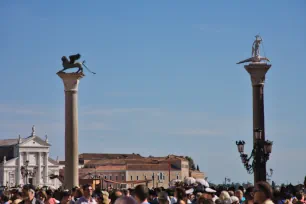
{"points": [[198, 195], [42, 196], [66, 197], [249, 193], [125, 200], [241, 188], [115, 195], [235, 200], [74, 191], [87, 189], [49, 193], [126, 192], [239, 194], [180, 193], [263, 192], [300, 195], [231, 193], [224, 195], [28, 192], [163, 198], [141, 193], [79, 193], [209, 193], [203, 200]]}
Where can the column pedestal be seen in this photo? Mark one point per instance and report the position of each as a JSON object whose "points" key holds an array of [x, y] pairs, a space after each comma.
{"points": [[71, 81], [258, 72]]}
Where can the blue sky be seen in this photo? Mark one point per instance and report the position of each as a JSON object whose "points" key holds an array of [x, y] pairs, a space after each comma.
{"points": [[166, 82]]}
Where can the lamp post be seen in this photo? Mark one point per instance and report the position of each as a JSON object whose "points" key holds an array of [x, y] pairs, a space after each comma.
{"points": [[94, 177], [260, 154], [25, 172], [226, 180]]}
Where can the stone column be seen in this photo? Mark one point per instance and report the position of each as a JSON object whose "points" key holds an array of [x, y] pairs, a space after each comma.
{"points": [[39, 169], [46, 169], [71, 81], [18, 172], [258, 72]]}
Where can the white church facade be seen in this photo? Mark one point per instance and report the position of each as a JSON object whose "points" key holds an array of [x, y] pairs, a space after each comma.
{"points": [[26, 160]]}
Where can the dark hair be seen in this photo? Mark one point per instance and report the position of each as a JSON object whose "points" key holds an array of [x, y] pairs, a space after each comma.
{"points": [[142, 192], [28, 187], [125, 192], [180, 194], [265, 188], [49, 193], [299, 195], [86, 186], [249, 193], [202, 200], [113, 196]]}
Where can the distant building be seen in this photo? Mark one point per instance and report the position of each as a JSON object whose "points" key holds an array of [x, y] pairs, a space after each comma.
{"points": [[128, 170], [30, 154]]}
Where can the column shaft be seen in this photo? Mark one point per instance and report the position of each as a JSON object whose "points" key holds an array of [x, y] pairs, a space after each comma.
{"points": [[18, 175], [71, 139], [39, 169], [46, 169], [71, 81], [259, 122]]}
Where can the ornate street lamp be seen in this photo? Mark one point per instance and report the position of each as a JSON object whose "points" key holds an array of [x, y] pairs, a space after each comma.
{"points": [[260, 153], [25, 172]]}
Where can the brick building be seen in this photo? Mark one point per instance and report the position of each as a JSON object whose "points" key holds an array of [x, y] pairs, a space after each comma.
{"points": [[128, 170]]}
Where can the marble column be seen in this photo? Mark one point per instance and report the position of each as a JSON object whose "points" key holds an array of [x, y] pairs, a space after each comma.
{"points": [[46, 178], [71, 81], [39, 169], [258, 72], [18, 172]]}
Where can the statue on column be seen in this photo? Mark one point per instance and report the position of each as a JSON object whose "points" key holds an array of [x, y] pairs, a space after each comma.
{"points": [[255, 52], [72, 63]]}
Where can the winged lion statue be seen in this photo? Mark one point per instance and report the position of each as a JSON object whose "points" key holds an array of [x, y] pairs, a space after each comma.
{"points": [[72, 63]]}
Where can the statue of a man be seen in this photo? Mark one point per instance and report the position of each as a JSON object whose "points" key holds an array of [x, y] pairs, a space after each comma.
{"points": [[255, 47]]}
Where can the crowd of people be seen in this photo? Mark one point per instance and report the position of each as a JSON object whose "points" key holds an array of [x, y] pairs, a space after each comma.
{"points": [[261, 193]]}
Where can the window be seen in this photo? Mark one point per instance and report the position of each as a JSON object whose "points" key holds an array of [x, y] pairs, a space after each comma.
{"points": [[110, 177], [105, 177], [131, 178], [145, 177], [137, 178], [116, 178], [122, 178], [163, 176], [177, 177], [160, 176]]}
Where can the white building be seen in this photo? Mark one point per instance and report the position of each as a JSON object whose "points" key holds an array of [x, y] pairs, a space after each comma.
{"points": [[26, 160]]}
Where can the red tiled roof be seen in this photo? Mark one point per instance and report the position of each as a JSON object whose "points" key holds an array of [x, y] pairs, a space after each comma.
{"points": [[149, 167], [92, 156], [8, 142]]}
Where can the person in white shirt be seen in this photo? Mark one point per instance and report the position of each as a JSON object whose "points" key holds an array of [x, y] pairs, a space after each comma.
{"points": [[87, 197]]}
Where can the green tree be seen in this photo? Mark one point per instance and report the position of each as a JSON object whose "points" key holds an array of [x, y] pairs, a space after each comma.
{"points": [[191, 163]]}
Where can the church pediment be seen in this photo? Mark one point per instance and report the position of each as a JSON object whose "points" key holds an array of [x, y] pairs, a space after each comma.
{"points": [[34, 141]]}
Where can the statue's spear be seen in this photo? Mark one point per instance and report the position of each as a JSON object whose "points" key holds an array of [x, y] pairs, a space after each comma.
{"points": [[83, 63]]}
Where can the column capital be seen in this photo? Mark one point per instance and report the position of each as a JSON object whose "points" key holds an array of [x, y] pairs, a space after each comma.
{"points": [[257, 72], [71, 80]]}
